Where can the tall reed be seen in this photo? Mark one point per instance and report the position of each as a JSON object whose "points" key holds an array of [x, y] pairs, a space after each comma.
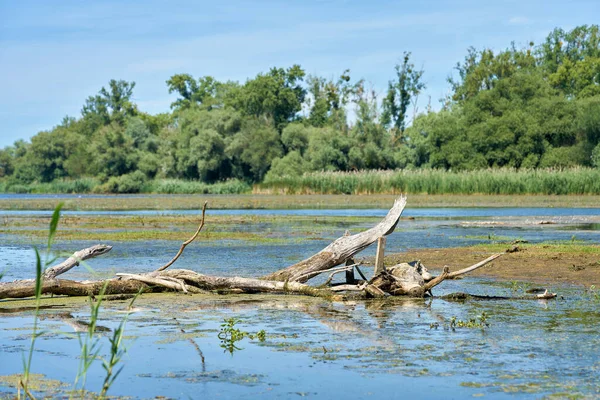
{"points": [[431, 181]]}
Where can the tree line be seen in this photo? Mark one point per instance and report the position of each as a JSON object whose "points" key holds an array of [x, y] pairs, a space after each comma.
{"points": [[531, 107]]}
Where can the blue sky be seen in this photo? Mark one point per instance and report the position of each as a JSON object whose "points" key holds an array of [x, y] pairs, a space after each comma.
{"points": [[54, 54]]}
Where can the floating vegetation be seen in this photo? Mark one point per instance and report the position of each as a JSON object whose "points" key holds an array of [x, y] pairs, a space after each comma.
{"points": [[479, 322], [230, 335], [593, 293]]}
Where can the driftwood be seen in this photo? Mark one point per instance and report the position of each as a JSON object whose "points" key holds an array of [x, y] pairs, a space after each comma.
{"points": [[405, 279]]}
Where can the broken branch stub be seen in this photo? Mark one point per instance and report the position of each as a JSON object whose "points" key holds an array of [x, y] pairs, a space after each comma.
{"points": [[75, 259]]}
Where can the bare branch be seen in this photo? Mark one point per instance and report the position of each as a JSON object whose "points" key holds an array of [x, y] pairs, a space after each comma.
{"points": [[190, 240], [473, 267], [75, 259]]}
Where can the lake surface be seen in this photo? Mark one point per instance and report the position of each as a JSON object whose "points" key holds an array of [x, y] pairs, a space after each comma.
{"points": [[315, 348]]}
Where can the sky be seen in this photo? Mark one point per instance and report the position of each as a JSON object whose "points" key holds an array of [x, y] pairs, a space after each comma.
{"points": [[54, 54]]}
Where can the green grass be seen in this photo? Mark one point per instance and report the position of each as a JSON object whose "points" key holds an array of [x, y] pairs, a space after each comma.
{"points": [[575, 181], [429, 181], [89, 344], [550, 247]]}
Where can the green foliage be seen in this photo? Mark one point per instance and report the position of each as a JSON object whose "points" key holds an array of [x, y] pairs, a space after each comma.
{"points": [[328, 100], [229, 335], [252, 150], [401, 92], [432, 181], [477, 322], [278, 95], [292, 164], [522, 108], [128, 183], [206, 93], [596, 156], [173, 186], [110, 105]]}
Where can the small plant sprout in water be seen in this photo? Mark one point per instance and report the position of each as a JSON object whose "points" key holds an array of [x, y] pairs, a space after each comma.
{"points": [[230, 335], [478, 322], [594, 293]]}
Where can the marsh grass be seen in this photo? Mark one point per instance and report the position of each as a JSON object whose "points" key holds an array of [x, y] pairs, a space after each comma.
{"points": [[90, 344], [432, 181], [28, 360], [178, 186], [548, 247]]}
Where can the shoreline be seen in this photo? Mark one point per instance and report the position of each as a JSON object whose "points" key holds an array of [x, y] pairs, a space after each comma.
{"points": [[539, 263], [270, 201]]}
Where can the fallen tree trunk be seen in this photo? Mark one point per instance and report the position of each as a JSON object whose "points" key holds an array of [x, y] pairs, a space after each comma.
{"points": [[341, 249], [400, 280]]}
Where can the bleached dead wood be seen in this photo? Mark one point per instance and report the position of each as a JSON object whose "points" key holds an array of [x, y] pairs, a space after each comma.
{"points": [[404, 279], [75, 259], [341, 249]]}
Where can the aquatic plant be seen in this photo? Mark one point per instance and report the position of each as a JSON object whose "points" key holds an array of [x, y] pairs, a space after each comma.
{"points": [[594, 293], [477, 322], [117, 351], [90, 346], [230, 335], [518, 286], [27, 361]]}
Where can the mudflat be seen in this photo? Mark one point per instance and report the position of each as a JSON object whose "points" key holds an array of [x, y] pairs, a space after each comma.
{"points": [[540, 263]]}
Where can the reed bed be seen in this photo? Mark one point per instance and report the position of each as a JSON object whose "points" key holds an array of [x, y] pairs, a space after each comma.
{"points": [[430, 181]]}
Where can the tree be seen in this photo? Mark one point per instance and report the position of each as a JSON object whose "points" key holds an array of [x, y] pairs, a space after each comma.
{"points": [[400, 93], [277, 95], [200, 143], [253, 149], [328, 100], [206, 93], [110, 105], [44, 159], [114, 152], [7, 156]]}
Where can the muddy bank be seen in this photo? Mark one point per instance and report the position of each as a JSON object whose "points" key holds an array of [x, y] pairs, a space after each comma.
{"points": [[257, 201], [532, 263]]}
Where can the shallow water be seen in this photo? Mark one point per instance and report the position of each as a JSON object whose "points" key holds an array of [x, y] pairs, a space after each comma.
{"points": [[316, 348], [320, 349], [297, 234]]}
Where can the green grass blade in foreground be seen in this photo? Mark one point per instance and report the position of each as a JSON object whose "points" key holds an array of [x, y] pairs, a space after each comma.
{"points": [[117, 351], [24, 382], [54, 225], [90, 346]]}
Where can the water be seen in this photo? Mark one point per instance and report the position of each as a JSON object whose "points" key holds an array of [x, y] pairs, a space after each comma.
{"points": [[328, 350], [316, 348], [448, 213]]}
